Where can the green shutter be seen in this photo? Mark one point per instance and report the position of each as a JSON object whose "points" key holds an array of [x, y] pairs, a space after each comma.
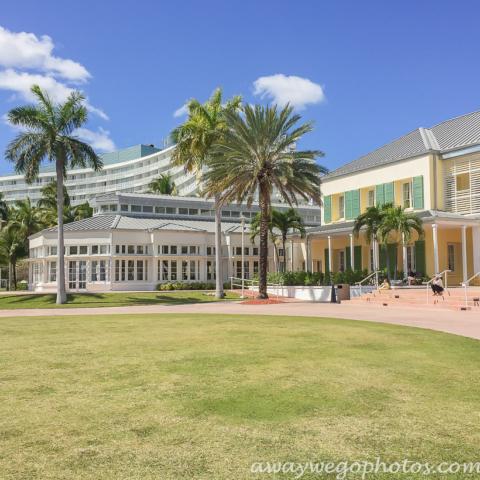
{"points": [[420, 261], [355, 203], [389, 192], [347, 253], [348, 205], [417, 192], [357, 257], [327, 261], [327, 209], [392, 257], [382, 258], [380, 195]]}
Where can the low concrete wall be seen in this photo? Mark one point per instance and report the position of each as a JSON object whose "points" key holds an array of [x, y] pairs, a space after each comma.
{"points": [[314, 294]]}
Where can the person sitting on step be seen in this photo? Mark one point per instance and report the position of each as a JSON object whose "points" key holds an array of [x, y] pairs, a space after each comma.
{"points": [[411, 275], [385, 285], [437, 286]]}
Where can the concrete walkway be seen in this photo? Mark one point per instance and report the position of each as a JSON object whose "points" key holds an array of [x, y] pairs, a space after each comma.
{"points": [[466, 324]]}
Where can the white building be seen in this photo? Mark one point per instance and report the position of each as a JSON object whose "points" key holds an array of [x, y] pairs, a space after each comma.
{"points": [[127, 170], [136, 241]]}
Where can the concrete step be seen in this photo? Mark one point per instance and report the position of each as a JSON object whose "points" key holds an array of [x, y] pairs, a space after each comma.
{"points": [[423, 294], [418, 301], [386, 303]]}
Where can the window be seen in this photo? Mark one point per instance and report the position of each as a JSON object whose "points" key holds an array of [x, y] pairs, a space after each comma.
{"points": [[255, 268], [124, 208], [255, 251], [451, 257], [193, 250], [341, 207], [159, 209], [192, 270], [163, 274], [319, 265], [95, 250], [104, 249], [53, 251], [173, 270], [184, 250], [225, 213], [83, 250], [206, 213], [280, 252], [73, 250], [406, 195], [193, 211], [238, 251], [131, 270], [117, 249], [53, 272], [131, 249], [173, 250], [139, 270], [183, 211], [170, 210], [184, 270], [164, 249], [341, 261], [235, 214], [210, 270], [139, 249], [210, 251], [119, 270], [371, 198], [247, 251], [136, 208], [147, 209], [463, 182], [410, 257]]}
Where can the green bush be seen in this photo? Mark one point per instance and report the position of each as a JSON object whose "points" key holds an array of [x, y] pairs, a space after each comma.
{"points": [[186, 286]]}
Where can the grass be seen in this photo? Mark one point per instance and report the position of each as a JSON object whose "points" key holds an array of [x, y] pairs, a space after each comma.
{"points": [[117, 299], [204, 396]]}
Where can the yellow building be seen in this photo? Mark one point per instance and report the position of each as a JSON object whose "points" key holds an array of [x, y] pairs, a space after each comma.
{"points": [[433, 172]]}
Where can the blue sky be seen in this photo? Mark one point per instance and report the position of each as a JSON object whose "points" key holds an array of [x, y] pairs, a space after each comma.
{"points": [[376, 69]]}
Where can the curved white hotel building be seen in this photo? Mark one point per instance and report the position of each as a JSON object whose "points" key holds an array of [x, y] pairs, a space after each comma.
{"points": [[127, 170]]}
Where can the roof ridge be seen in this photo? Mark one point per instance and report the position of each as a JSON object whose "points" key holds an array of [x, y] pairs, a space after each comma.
{"points": [[454, 118], [115, 221]]}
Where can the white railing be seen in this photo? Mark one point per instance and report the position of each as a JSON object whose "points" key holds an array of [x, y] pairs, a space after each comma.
{"points": [[366, 278], [242, 281], [467, 284], [434, 277]]}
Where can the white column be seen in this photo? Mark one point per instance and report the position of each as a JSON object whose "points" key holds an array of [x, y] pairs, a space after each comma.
{"points": [[464, 252], [404, 256], [307, 255], [352, 256], [376, 255], [291, 255], [435, 248], [329, 254]]}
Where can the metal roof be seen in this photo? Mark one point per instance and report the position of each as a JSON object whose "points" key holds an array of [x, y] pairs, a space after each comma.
{"points": [[456, 133]]}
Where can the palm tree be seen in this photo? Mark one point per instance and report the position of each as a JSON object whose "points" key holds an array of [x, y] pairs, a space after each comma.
{"points": [[82, 211], [255, 156], [255, 223], [3, 209], [284, 222], [50, 135], [403, 224], [370, 221], [49, 205], [193, 147], [26, 218], [13, 247], [164, 185]]}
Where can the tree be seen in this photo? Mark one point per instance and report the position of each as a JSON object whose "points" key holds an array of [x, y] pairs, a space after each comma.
{"points": [[194, 140], [284, 222], [50, 136], [255, 156], [403, 224], [26, 218], [13, 247], [82, 211], [49, 205], [3, 209], [164, 185], [272, 235]]}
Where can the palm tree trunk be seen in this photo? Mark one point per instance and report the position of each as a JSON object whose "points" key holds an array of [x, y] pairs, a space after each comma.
{"points": [[61, 292], [262, 274], [218, 251], [396, 261], [15, 274], [10, 275], [285, 254]]}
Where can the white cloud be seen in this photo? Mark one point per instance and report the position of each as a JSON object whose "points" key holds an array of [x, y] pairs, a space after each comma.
{"points": [[26, 51], [26, 60], [300, 92], [99, 140], [180, 112]]}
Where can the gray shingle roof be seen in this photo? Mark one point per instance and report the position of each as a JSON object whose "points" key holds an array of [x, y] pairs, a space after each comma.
{"points": [[458, 132], [125, 222]]}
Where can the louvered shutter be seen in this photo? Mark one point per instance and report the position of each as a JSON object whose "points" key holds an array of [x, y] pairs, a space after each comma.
{"points": [[420, 261], [418, 192], [357, 257], [327, 209], [349, 263], [379, 195], [327, 261], [348, 205], [389, 192]]}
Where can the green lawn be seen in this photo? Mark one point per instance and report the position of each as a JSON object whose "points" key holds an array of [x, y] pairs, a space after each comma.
{"points": [[204, 396], [117, 299]]}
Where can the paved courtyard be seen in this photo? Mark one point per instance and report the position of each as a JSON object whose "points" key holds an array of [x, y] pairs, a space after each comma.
{"points": [[466, 324]]}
